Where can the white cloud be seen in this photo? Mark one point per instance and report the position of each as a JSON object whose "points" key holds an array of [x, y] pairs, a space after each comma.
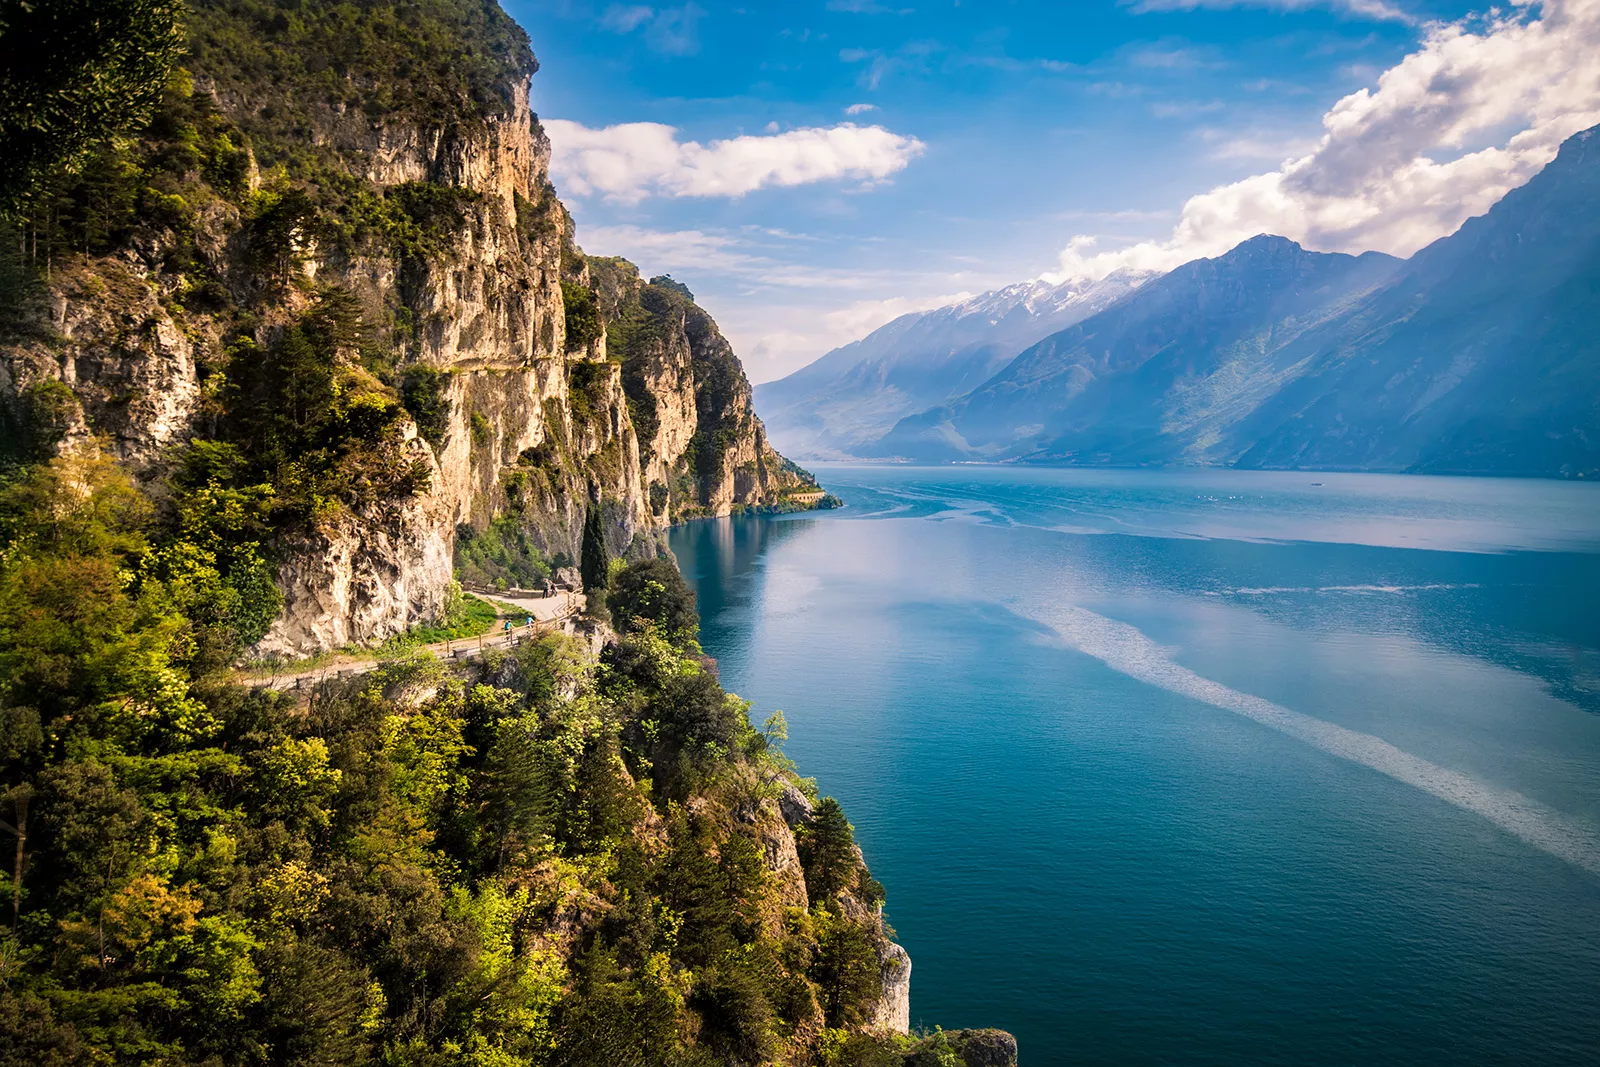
{"points": [[635, 160], [739, 258], [669, 30], [1184, 109], [667, 250], [860, 109], [1172, 58], [864, 316], [1368, 9], [1258, 146], [777, 339], [625, 19], [866, 7], [1474, 112]]}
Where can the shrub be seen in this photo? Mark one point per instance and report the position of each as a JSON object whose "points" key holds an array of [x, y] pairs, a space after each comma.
{"points": [[502, 554], [584, 323], [422, 391]]}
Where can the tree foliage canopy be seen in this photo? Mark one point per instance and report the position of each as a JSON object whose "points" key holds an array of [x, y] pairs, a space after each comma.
{"points": [[543, 861], [653, 592], [73, 73], [539, 859]]}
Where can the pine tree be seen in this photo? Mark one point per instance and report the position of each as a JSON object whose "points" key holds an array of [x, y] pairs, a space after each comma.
{"points": [[830, 851]]}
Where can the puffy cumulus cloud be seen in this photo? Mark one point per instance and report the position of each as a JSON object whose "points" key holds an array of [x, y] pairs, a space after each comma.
{"points": [[635, 160], [1474, 112]]}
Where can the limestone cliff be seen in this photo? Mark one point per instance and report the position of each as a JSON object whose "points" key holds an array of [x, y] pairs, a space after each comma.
{"points": [[415, 250], [702, 449]]}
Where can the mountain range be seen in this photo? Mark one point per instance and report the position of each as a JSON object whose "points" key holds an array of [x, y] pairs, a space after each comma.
{"points": [[848, 399], [1477, 355]]}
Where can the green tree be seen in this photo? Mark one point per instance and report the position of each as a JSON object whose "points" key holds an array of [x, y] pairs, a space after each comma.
{"points": [[424, 392], [828, 851], [594, 565], [72, 74], [316, 1005], [847, 969], [652, 591], [78, 636], [31, 1034], [584, 323]]}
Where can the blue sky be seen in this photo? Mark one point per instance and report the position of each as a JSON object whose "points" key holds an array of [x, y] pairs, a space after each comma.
{"points": [[813, 169]]}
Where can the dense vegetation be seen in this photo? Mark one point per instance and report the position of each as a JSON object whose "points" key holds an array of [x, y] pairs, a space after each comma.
{"points": [[648, 327], [502, 555], [550, 861], [70, 71], [309, 411], [306, 385], [433, 62], [556, 857]]}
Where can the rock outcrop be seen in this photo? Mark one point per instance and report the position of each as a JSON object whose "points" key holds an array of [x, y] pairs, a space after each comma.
{"points": [[702, 449], [894, 1008], [792, 810], [984, 1048]]}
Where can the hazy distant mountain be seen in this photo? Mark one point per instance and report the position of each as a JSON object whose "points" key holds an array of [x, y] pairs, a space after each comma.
{"points": [[1479, 354], [1484, 357], [1159, 376], [848, 398]]}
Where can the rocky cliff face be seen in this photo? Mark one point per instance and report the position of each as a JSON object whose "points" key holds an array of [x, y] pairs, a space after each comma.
{"points": [[702, 449], [433, 252], [777, 819]]}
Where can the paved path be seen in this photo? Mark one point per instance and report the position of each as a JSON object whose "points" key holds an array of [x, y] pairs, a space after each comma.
{"points": [[543, 609], [548, 614]]}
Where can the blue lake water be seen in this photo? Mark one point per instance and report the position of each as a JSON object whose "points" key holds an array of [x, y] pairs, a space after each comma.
{"points": [[1201, 767]]}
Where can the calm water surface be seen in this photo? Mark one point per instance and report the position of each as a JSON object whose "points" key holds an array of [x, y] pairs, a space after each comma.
{"points": [[1204, 767]]}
